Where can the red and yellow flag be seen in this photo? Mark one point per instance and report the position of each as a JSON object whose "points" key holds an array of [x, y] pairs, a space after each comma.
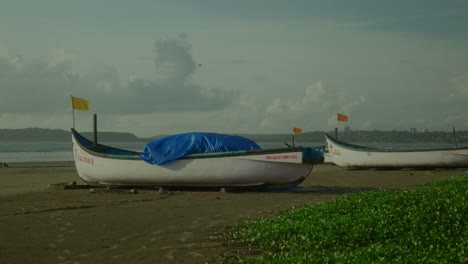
{"points": [[297, 130], [342, 117], [80, 104]]}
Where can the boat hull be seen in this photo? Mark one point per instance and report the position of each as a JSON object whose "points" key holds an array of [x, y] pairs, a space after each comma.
{"points": [[356, 157], [284, 168]]}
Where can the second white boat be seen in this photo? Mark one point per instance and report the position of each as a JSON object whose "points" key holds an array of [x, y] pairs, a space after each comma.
{"points": [[355, 157]]}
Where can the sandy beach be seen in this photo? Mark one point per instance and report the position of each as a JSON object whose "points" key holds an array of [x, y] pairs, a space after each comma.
{"points": [[40, 222]]}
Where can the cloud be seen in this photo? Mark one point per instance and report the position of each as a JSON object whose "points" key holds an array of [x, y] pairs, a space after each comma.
{"points": [[314, 110], [45, 86], [461, 86], [173, 59], [33, 86], [59, 57], [172, 90]]}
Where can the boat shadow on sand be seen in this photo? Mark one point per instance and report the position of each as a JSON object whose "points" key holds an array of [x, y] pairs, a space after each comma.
{"points": [[133, 189]]}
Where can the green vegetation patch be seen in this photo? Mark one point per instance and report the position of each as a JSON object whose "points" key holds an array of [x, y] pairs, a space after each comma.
{"points": [[454, 180], [427, 225]]}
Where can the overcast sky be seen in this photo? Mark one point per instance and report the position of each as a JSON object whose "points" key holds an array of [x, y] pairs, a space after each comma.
{"points": [[154, 67]]}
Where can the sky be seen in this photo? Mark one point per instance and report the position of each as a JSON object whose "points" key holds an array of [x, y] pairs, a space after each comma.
{"points": [[153, 67]]}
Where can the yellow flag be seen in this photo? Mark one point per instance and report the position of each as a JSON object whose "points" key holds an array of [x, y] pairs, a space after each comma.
{"points": [[80, 104]]}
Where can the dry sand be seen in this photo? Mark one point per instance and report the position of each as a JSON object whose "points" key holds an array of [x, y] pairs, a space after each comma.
{"points": [[41, 224]]}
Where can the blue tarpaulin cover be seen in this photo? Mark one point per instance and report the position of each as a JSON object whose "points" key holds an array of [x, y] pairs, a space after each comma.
{"points": [[167, 149], [312, 153]]}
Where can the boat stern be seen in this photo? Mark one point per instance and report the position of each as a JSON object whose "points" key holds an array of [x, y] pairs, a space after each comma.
{"points": [[313, 155]]}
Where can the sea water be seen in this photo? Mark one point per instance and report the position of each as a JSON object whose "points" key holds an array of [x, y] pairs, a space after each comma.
{"points": [[21, 151]]}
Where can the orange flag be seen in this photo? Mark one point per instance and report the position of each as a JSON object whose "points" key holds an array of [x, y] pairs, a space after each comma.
{"points": [[297, 130], [342, 117]]}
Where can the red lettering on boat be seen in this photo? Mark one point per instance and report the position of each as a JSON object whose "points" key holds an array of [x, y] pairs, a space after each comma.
{"points": [[280, 157], [86, 160]]}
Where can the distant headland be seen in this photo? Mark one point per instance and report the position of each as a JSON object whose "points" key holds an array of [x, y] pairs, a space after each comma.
{"points": [[56, 135]]}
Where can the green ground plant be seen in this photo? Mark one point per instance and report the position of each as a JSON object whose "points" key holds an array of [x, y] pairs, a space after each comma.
{"points": [[425, 225]]}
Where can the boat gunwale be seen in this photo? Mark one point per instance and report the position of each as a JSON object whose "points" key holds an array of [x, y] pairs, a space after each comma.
{"points": [[134, 155], [359, 148]]}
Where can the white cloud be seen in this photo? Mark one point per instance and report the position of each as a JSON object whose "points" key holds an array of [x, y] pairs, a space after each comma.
{"points": [[59, 57], [312, 110], [45, 86], [461, 85]]}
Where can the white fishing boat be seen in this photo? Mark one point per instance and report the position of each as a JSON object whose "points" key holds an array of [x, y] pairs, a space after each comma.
{"points": [[100, 164], [354, 157]]}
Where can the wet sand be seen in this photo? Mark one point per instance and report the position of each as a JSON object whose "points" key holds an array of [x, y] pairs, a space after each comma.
{"points": [[41, 224]]}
